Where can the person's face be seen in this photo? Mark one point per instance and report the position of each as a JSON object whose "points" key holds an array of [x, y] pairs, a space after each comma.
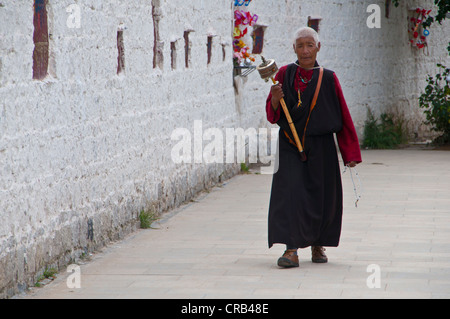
{"points": [[306, 50]]}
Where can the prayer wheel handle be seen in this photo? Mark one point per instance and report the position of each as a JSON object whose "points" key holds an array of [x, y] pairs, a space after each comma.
{"points": [[267, 70]]}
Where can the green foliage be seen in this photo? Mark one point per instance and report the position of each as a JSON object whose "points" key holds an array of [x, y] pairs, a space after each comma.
{"points": [[436, 102], [385, 133], [48, 273], [244, 168]]}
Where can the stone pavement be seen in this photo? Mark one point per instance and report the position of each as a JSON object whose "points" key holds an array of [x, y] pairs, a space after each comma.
{"points": [[216, 246]]}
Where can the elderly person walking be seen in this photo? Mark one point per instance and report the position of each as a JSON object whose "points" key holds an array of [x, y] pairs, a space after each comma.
{"points": [[306, 198]]}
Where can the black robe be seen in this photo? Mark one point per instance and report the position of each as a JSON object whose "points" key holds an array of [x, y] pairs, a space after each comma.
{"points": [[306, 198]]}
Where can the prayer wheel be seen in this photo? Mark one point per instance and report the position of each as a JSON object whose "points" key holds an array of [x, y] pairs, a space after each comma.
{"points": [[267, 69]]}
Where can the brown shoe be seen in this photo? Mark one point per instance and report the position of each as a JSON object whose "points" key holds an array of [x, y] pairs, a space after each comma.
{"points": [[318, 254], [289, 259]]}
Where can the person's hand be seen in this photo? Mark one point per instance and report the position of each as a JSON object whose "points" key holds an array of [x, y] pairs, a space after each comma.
{"points": [[352, 164], [277, 95]]}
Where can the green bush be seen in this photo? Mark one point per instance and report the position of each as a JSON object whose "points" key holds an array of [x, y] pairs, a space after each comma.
{"points": [[146, 218], [436, 103], [383, 133]]}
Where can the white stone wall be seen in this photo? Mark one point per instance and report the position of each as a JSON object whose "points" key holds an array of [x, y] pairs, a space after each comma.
{"points": [[413, 66], [84, 150], [86, 146]]}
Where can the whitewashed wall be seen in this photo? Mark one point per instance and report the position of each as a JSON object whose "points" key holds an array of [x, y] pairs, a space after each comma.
{"points": [[86, 146]]}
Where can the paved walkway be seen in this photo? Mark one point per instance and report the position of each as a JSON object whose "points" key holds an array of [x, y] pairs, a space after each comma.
{"points": [[216, 247]]}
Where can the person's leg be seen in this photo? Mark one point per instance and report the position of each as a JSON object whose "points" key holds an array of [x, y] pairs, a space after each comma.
{"points": [[291, 248]]}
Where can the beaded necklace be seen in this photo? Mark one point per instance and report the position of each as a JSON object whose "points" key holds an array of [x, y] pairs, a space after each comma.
{"points": [[299, 93]]}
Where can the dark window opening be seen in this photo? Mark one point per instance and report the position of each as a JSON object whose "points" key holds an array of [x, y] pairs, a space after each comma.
{"points": [[121, 51], [158, 58], [387, 7], [209, 48], [314, 23], [224, 53], [187, 49], [40, 39], [173, 55], [258, 40]]}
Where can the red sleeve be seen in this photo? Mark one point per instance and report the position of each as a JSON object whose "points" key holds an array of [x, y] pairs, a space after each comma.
{"points": [[347, 137], [272, 115]]}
